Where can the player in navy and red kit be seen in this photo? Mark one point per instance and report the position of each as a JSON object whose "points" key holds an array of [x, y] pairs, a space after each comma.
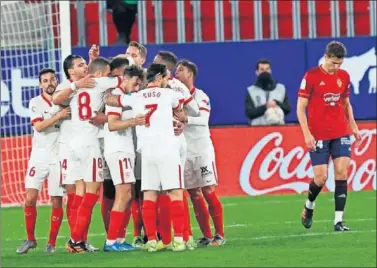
{"points": [[324, 94]]}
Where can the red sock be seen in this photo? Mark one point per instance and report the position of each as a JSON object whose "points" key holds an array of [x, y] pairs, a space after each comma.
{"points": [[55, 223], [30, 219], [136, 218], [158, 215], [73, 213], [84, 214], [70, 198], [202, 216], [216, 211], [177, 216], [106, 206], [126, 221], [149, 219], [165, 218], [187, 228], [116, 222]]}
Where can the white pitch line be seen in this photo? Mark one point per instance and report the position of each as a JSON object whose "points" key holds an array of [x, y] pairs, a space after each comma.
{"points": [[266, 237], [234, 225]]}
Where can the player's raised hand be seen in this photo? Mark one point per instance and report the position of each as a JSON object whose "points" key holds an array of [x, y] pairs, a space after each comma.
{"points": [[93, 52], [66, 112], [310, 142], [140, 120], [86, 82], [180, 115]]}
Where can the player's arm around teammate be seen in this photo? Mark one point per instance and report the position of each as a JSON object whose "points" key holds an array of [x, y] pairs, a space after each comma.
{"points": [[43, 161]]}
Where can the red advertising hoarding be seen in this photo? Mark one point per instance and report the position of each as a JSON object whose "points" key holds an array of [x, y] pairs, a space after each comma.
{"points": [[274, 160], [250, 161]]}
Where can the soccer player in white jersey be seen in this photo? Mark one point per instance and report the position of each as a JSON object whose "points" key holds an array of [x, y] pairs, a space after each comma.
{"points": [[43, 162], [200, 168], [86, 154], [117, 66], [120, 157], [161, 167], [76, 70], [191, 108]]}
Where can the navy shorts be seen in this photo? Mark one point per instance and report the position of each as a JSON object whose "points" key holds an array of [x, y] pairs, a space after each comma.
{"points": [[340, 147]]}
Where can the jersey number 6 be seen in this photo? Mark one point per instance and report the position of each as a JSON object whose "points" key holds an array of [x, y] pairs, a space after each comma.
{"points": [[151, 109]]}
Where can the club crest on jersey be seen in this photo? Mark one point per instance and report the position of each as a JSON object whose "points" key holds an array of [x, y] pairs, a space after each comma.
{"points": [[339, 82], [331, 98]]}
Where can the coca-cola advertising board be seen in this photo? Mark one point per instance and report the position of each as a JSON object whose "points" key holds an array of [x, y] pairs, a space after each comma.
{"points": [[274, 160]]}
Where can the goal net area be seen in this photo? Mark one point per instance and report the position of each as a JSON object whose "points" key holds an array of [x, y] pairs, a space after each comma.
{"points": [[34, 35]]}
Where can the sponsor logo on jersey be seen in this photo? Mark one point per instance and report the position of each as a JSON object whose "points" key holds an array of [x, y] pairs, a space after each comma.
{"points": [[205, 172], [331, 98]]}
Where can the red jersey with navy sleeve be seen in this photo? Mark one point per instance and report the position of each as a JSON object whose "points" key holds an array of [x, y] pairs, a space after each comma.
{"points": [[327, 118]]}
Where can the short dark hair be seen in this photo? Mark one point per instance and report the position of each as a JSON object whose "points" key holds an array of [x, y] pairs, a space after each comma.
{"points": [[119, 62], [68, 63], [45, 71], [156, 69], [142, 49], [98, 64], [169, 57], [336, 49], [262, 61], [189, 65], [134, 70]]}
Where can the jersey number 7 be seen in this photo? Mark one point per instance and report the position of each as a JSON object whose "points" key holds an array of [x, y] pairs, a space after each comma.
{"points": [[151, 109]]}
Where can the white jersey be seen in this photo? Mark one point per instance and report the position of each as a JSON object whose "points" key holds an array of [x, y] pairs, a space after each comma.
{"points": [[197, 133], [84, 105], [191, 107], [121, 140], [44, 149], [66, 124], [157, 104]]}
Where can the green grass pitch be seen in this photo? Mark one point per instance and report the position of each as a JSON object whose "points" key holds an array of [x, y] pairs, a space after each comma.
{"points": [[260, 231]]}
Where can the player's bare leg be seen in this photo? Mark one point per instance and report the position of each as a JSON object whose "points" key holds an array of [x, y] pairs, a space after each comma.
{"points": [[30, 212], [84, 214], [202, 215], [216, 211], [118, 219], [55, 222], [178, 218], [341, 165], [315, 187], [149, 219]]}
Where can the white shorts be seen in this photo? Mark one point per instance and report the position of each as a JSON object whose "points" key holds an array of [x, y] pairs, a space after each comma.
{"points": [[88, 163], [36, 174], [182, 150], [161, 173], [106, 171], [67, 165], [200, 171], [121, 167]]}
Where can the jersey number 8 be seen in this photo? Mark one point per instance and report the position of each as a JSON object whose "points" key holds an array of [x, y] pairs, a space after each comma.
{"points": [[85, 112]]}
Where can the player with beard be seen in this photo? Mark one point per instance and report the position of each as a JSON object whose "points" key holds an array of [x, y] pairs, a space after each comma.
{"points": [[43, 163], [76, 71]]}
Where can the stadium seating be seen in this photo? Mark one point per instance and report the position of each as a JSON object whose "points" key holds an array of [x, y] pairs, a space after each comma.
{"points": [[246, 13]]}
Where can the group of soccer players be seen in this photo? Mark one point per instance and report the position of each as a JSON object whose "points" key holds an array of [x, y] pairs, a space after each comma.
{"points": [[142, 134]]}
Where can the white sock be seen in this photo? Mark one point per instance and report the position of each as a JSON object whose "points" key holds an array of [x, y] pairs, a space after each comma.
{"points": [[110, 242], [178, 239], [121, 240], [338, 217], [309, 204]]}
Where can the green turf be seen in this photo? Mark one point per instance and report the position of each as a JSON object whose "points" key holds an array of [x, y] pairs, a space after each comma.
{"points": [[260, 231]]}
